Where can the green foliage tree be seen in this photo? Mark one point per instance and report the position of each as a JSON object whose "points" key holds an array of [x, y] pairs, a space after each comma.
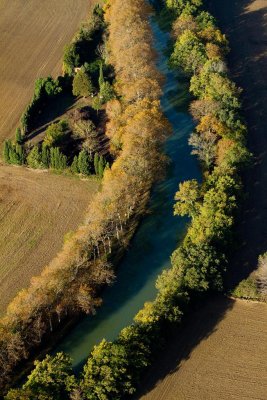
{"points": [[101, 166], [82, 84], [97, 103], [19, 139], [74, 166], [84, 163], [55, 133], [106, 92], [189, 52], [45, 156], [34, 158], [187, 199], [71, 58], [51, 377], [179, 6], [6, 150], [96, 162], [106, 375], [58, 160], [101, 75]]}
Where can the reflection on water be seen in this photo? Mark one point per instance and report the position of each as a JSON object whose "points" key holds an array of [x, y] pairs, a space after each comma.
{"points": [[158, 234]]}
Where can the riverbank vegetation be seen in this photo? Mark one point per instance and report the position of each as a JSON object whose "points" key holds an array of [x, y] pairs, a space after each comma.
{"points": [[199, 264], [136, 128]]}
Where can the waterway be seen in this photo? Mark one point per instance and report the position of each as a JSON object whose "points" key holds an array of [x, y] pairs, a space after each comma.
{"points": [[159, 232]]}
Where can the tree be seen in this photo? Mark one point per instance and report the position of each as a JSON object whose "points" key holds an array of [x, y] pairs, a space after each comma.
{"points": [[189, 53], [58, 160], [84, 163], [189, 6], [6, 150], [55, 133], [101, 166], [106, 375], [106, 92], [34, 158], [97, 103], [74, 166], [204, 146], [45, 156], [87, 130], [51, 377], [96, 161], [71, 58], [187, 199], [101, 75], [18, 136], [82, 84]]}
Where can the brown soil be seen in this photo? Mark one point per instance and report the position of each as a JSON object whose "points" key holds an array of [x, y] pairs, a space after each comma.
{"points": [[33, 34], [36, 210], [220, 354]]}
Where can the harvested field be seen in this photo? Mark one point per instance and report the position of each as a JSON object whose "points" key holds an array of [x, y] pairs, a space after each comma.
{"points": [[33, 34], [36, 210], [219, 354]]}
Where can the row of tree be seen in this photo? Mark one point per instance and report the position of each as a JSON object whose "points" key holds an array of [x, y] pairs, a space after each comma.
{"points": [[70, 284], [114, 369]]}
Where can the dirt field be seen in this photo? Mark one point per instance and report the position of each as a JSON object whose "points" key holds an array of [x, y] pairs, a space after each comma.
{"points": [[36, 210], [219, 355], [33, 34]]}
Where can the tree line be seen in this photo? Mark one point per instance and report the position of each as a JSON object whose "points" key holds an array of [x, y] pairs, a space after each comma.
{"points": [[114, 369], [71, 282]]}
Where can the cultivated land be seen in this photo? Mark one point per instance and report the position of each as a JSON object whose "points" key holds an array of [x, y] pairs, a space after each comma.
{"points": [[221, 351], [36, 210], [219, 354], [33, 34]]}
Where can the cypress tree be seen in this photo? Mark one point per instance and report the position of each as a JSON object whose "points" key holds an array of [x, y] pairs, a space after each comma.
{"points": [[101, 76], [45, 157], [101, 166], [6, 156], [96, 161], [20, 154], [74, 166], [83, 163], [34, 158], [18, 136], [52, 158]]}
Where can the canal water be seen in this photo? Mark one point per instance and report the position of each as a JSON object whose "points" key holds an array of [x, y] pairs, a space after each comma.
{"points": [[159, 232]]}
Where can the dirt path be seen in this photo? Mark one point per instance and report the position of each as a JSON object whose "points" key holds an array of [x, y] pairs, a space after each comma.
{"points": [[245, 23]]}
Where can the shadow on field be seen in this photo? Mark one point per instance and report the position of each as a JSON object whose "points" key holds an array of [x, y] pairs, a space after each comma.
{"points": [[245, 23], [52, 113], [198, 326]]}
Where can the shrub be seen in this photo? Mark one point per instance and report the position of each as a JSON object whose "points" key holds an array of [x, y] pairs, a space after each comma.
{"points": [[55, 134]]}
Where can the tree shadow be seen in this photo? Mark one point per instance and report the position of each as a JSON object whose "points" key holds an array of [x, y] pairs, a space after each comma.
{"points": [[51, 113], [197, 326], [245, 26]]}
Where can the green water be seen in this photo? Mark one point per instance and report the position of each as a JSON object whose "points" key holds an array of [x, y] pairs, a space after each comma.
{"points": [[158, 234]]}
